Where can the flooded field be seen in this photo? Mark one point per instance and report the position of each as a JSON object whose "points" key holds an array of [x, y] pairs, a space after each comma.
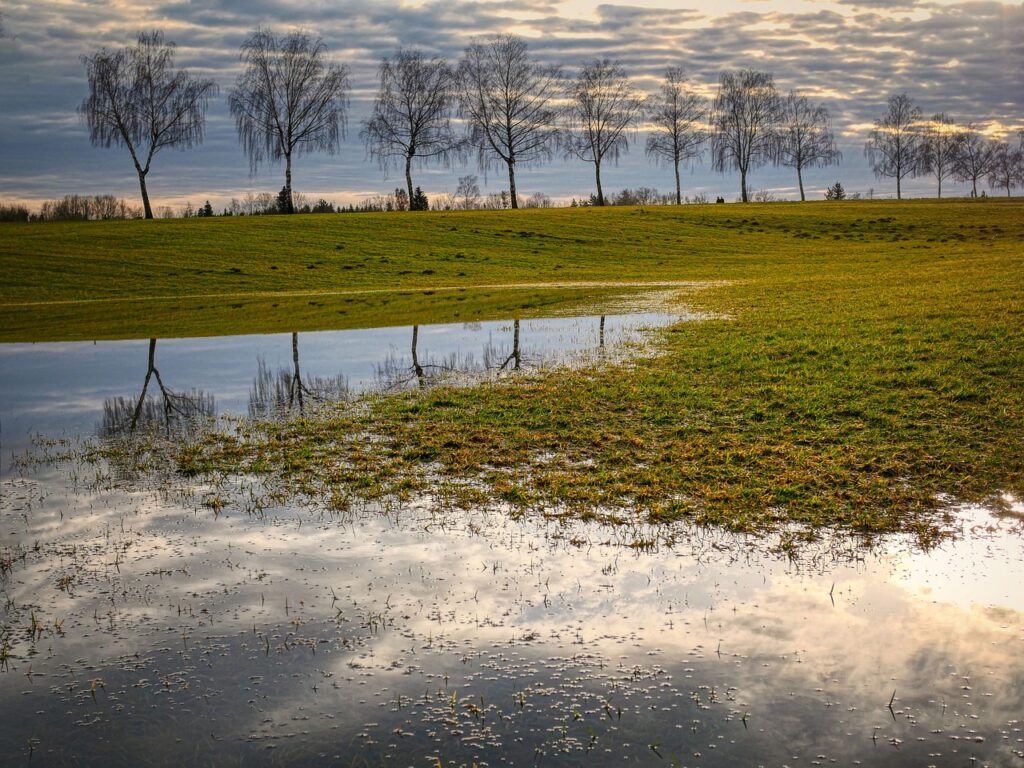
{"points": [[79, 388], [166, 622]]}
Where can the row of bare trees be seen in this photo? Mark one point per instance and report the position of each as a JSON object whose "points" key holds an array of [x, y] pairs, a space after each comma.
{"points": [[290, 99], [904, 144], [520, 112]]}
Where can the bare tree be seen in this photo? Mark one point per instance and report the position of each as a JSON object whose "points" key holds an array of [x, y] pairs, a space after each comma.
{"points": [[805, 136], [894, 145], [468, 193], [412, 113], [974, 158], [941, 138], [1007, 169], [288, 101], [678, 116], [509, 102], [603, 107], [743, 123], [138, 100]]}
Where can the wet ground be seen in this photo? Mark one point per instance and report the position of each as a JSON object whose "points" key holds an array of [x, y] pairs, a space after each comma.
{"points": [[163, 623]]}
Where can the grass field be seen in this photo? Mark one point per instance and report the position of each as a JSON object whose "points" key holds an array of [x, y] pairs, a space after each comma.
{"points": [[872, 357], [215, 276]]}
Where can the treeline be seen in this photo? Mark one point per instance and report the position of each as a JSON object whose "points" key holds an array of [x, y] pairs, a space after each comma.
{"points": [[74, 208], [505, 110], [466, 198]]}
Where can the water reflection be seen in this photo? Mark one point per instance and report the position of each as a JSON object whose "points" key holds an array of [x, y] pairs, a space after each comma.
{"points": [[515, 356], [194, 379], [172, 623], [272, 394], [302, 636], [171, 411], [398, 372]]}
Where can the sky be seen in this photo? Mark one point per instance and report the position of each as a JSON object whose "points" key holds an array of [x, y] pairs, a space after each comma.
{"points": [[962, 58]]}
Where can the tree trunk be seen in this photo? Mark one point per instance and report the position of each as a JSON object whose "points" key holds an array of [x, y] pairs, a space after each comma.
{"points": [[145, 195], [416, 367], [940, 187], [297, 381], [800, 179], [898, 196], [974, 187], [408, 178], [290, 205], [743, 184], [600, 192], [679, 196], [150, 367], [512, 184]]}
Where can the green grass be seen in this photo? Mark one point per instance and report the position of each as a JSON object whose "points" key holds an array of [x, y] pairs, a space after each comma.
{"points": [[260, 274], [872, 357]]}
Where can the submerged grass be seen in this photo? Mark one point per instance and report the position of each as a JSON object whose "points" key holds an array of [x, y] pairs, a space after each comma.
{"points": [[871, 360]]}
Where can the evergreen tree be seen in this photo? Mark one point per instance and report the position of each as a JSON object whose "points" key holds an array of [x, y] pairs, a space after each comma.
{"points": [[284, 201], [835, 192], [419, 201]]}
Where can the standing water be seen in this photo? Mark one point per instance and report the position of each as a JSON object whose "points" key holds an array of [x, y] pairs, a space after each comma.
{"points": [[170, 623]]}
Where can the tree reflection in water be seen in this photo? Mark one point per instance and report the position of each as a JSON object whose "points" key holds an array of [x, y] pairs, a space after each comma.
{"points": [[173, 411], [278, 392], [398, 372]]}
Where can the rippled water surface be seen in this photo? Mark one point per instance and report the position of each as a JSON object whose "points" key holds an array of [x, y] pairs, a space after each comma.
{"points": [[143, 624]]}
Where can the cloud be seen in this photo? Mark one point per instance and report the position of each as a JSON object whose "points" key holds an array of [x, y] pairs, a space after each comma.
{"points": [[963, 58], [887, 4]]}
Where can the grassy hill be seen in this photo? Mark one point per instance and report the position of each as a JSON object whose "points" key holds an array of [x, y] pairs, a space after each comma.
{"points": [[232, 275]]}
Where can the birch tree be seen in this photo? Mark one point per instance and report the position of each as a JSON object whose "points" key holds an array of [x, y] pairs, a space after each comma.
{"points": [[138, 100], [288, 101], [510, 103], [941, 138], [677, 117], [894, 145], [604, 106], [411, 117], [974, 158], [1007, 169], [805, 136], [743, 123]]}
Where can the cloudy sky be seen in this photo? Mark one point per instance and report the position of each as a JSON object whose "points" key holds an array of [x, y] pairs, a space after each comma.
{"points": [[963, 58]]}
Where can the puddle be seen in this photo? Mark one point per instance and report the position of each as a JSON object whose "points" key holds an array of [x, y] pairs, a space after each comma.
{"points": [[133, 618], [152, 625], [76, 388]]}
